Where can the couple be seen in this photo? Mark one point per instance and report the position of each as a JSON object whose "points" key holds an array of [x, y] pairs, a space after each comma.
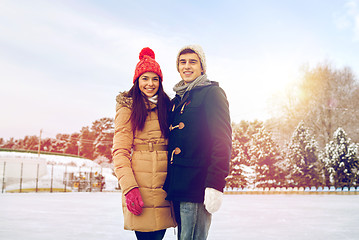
{"points": [[172, 157]]}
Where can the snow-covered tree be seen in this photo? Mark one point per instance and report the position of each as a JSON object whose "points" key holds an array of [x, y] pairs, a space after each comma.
{"points": [[9, 143], [103, 145], [28, 143], [340, 157], [89, 143], [265, 157], [241, 135], [71, 146], [236, 177], [325, 97], [104, 130], [86, 143], [47, 144], [60, 143], [303, 159], [102, 125]]}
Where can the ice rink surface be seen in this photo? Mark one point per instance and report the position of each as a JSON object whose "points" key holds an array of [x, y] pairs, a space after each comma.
{"points": [[93, 216]]}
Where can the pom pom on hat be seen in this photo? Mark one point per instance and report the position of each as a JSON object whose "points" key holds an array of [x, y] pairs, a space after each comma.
{"points": [[147, 63], [147, 52]]}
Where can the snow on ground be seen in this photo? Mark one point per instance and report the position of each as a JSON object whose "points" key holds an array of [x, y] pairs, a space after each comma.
{"points": [[93, 216], [55, 167]]}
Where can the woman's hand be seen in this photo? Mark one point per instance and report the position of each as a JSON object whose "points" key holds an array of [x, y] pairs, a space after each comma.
{"points": [[134, 201]]}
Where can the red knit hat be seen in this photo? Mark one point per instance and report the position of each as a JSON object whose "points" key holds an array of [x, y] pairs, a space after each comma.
{"points": [[147, 63]]}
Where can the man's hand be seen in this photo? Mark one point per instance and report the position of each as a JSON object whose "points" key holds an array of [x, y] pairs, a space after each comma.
{"points": [[212, 199]]}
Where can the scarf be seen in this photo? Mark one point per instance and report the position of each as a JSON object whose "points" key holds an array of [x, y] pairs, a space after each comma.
{"points": [[153, 99], [181, 88]]}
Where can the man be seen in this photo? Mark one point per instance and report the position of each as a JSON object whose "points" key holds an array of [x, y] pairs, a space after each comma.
{"points": [[199, 146]]}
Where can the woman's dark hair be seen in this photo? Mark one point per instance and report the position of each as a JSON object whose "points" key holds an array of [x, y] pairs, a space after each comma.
{"points": [[140, 110]]}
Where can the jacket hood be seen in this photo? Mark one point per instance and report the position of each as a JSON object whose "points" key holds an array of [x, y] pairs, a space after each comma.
{"points": [[124, 100]]}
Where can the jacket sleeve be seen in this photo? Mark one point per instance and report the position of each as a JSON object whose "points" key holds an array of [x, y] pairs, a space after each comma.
{"points": [[121, 153], [219, 123]]}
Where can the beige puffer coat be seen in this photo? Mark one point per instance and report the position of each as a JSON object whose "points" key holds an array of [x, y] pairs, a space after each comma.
{"points": [[144, 169]]}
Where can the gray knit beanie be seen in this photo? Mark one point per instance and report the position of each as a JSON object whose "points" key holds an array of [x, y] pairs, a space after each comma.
{"points": [[199, 51]]}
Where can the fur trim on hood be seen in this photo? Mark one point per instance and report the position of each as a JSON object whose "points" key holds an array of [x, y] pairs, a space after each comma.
{"points": [[123, 99]]}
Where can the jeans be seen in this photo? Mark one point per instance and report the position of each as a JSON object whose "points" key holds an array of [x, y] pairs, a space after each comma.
{"points": [[193, 220], [156, 235]]}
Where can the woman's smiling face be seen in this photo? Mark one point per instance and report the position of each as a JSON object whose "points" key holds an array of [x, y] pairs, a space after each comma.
{"points": [[149, 83]]}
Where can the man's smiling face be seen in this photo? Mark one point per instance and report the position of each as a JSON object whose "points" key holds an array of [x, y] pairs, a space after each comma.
{"points": [[189, 66]]}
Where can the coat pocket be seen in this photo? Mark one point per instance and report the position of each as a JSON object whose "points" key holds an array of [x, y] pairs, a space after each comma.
{"points": [[192, 175]]}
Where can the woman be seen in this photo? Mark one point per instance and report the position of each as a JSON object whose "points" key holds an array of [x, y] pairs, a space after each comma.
{"points": [[140, 151]]}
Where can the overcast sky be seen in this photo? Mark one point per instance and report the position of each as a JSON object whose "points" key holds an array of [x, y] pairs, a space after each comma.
{"points": [[62, 63]]}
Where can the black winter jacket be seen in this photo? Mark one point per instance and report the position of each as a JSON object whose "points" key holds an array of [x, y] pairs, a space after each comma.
{"points": [[200, 144]]}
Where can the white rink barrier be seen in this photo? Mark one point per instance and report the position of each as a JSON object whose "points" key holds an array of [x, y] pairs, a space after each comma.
{"points": [[293, 190]]}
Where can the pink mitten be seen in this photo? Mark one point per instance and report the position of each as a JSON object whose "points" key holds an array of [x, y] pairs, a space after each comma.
{"points": [[134, 201]]}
